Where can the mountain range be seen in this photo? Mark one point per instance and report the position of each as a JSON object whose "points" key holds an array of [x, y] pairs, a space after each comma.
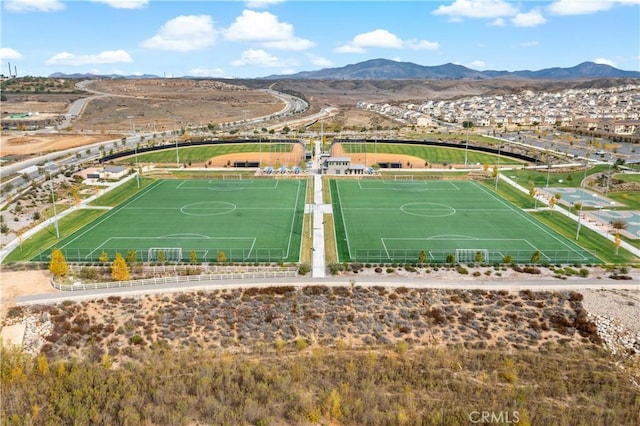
{"points": [[380, 69], [385, 69]]}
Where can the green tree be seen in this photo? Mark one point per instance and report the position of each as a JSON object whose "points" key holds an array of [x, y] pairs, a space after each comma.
{"points": [[616, 242], [422, 257], [162, 258], [193, 257], [532, 194], [222, 257], [119, 269], [58, 264], [104, 257], [536, 257], [132, 257], [479, 257]]}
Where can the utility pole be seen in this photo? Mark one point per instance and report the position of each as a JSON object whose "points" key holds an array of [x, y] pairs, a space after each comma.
{"points": [[53, 202]]}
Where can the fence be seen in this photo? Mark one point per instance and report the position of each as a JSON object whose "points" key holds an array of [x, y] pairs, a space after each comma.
{"points": [[142, 254], [486, 256], [277, 273]]}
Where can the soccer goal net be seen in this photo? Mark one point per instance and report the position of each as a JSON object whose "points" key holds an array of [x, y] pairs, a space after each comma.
{"points": [[164, 254], [231, 177], [472, 255], [404, 178]]}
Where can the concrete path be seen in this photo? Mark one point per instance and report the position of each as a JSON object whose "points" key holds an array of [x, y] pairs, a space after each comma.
{"points": [[319, 267]]}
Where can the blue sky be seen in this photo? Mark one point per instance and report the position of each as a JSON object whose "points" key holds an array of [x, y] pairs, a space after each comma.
{"points": [[247, 39]]}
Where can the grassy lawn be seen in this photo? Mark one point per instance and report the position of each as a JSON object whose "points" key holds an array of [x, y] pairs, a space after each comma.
{"points": [[47, 237], [589, 239], [199, 154], [431, 154], [390, 221], [253, 220], [513, 195], [118, 195], [538, 178]]}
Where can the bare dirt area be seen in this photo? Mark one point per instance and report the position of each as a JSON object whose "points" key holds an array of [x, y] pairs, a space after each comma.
{"points": [[19, 283], [274, 159], [37, 103], [162, 104], [41, 143], [407, 161]]}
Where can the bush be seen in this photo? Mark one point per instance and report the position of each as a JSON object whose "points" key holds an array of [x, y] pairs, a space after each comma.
{"points": [[335, 268], [304, 269], [462, 270], [584, 272]]}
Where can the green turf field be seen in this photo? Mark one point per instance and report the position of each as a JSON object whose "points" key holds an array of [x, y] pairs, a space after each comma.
{"points": [[248, 220], [393, 221], [432, 154], [205, 152]]}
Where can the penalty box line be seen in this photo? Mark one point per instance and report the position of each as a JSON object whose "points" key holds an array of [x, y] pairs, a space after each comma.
{"points": [[172, 237], [223, 184]]}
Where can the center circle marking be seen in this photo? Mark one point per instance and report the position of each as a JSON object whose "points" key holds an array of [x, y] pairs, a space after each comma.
{"points": [[208, 208], [427, 209]]}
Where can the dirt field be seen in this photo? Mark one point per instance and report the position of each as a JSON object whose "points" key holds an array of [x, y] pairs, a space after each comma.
{"points": [[295, 157], [19, 283], [32, 144], [161, 104], [371, 159]]}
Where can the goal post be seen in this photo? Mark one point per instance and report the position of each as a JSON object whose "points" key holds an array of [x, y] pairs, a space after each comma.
{"points": [[164, 254], [472, 255], [231, 177], [404, 178]]}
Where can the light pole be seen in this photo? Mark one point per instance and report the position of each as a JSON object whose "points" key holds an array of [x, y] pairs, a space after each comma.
{"points": [[548, 170], [581, 201], [53, 202], [137, 166], [606, 189], [466, 148], [497, 167], [176, 138]]}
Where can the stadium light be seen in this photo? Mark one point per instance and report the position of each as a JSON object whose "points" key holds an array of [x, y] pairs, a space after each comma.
{"points": [[176, 138], [581, 201], [53, 201]]}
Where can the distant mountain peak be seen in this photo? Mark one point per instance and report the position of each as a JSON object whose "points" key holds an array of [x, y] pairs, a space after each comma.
{"points": [[377, 69]]}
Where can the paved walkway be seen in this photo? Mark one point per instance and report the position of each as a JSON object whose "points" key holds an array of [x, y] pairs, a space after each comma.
{"points": [[318, 209]]}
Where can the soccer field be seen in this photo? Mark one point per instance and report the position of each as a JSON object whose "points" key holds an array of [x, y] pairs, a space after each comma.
{"points": [[248, 220], [393, 221]]}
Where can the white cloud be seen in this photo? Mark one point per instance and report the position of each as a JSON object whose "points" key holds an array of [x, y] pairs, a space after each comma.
{"points": [[8, 53], [604, 61], [498, 22], [377, 38], [477, 9], [477, 64], [532, 43], [33, 5], [528, 19], [579, 7], [319, 61], [207, 72], [384, 39], [257, 57], [347, 48], [291, 44], [106, 57], [264, 28], [184, 34], [124, 4], [261, 4]]}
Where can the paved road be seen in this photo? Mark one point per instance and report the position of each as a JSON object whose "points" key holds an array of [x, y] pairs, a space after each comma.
{"points": [[542, 284]]}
